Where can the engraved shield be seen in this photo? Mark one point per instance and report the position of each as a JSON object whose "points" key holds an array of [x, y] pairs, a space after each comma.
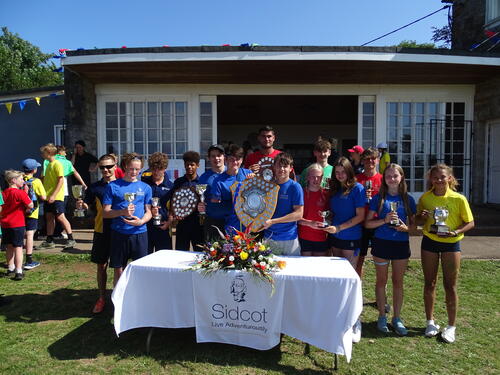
{"points": [[184, 202]]}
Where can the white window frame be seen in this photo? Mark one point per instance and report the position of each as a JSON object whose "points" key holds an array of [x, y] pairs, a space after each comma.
{"points": [[58, 134]]}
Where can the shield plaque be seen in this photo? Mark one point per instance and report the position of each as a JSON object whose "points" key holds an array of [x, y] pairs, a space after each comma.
{"points": [[184, 202], [255, 201]]}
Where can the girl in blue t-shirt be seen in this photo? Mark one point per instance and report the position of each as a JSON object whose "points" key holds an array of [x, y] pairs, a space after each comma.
{"points": [[347, 203], [391, 214]]}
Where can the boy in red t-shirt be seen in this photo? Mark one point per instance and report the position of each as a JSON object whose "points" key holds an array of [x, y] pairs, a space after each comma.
{"points": [[16, 205]]}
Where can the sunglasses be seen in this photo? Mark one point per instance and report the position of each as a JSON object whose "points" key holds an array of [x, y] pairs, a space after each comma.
{"points": [[108, 167]]}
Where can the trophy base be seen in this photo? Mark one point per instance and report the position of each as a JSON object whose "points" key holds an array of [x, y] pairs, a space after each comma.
{"points": [[156, 223], [324, 225], [394, 225], [440, 230], [78, 213]]}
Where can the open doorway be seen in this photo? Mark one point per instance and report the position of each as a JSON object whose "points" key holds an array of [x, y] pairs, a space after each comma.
{"points": [[297, 119]]}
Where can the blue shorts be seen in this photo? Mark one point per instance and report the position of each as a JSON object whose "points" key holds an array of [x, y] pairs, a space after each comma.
{"points": [[439, 247], [57, 208], [313, 246], [391, 250], [353, 245], [127, 246], [101, 246], [13, 236], [31, 223], [158, 239]]}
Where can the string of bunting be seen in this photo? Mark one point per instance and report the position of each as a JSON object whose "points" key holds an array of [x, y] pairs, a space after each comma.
{"points": [[22, 102]]}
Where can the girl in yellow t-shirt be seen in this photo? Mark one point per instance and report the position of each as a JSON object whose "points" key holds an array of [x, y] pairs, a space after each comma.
{"points": [[442, 242]]}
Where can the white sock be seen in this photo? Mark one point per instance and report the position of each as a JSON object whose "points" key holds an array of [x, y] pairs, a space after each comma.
{"points": [[11, 268], [451, 328], [431, 321], [19, 270]]}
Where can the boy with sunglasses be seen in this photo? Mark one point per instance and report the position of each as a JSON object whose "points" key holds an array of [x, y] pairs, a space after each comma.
{"points": [[102, 227]]}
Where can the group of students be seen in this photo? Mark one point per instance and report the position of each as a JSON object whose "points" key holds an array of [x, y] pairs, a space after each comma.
{"points": [[369, 209], [374, 210]]}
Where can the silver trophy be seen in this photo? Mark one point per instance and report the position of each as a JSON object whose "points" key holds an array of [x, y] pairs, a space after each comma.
{"points": [[394, 208], [200, 189], [440, 215], [324, 214], [77, 191], [368, 186], [129, 197], [155, 202]]}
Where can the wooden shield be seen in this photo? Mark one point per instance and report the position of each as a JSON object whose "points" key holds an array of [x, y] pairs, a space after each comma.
{"points": [[255, 201], [184, 202]]}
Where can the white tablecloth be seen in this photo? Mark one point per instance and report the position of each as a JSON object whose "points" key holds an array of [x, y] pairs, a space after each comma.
{"points": [[322, 297]]}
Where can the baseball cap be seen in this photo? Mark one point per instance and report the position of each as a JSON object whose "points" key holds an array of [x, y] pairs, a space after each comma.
{"points": [[30, 164], [382, 145], [216, 147], [358, 149]]}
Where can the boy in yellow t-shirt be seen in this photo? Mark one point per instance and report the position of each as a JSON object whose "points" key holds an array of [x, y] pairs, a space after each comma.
{"points": [[36, 192], [53, 182], [385, 158]]}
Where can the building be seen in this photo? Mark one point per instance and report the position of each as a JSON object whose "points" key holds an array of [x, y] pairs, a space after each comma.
{"points": [[36, 117]]}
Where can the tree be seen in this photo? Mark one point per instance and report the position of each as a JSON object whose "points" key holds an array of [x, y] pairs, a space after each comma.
{"points": [[23, 65], [442, 34], [414, 44]]}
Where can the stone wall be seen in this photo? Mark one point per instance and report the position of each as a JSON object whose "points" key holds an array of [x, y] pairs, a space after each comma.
{"points": [[468, 23], [80, 108], [486, 109]]}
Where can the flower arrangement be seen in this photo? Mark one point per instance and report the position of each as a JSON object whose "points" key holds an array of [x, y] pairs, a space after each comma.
{"points": [[241, 251]]}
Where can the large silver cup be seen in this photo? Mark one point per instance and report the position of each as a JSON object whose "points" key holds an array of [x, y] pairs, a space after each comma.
{"points": [[77, 191], [129, 197], [394, 208], [439, 227], [155, 202]]}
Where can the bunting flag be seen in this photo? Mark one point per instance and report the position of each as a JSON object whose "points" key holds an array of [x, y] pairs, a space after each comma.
{"points": [[22, 102]]}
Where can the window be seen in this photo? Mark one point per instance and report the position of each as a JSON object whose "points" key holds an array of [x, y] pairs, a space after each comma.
{"points": [[368, 124], [146, 127]]}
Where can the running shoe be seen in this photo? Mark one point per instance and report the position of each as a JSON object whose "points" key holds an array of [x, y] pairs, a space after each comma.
{"points": [[382, 324], [31, 265], [399, 327]]}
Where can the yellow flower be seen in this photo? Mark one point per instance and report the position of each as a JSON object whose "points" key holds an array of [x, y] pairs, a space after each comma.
{"points": [[243, 255], [237, 237], [262, 247]]}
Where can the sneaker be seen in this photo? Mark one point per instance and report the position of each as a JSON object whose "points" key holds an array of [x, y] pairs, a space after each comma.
{"points": [[431, 330], [448, 334], [9, 273], [30, 266], [70, 244], [382, 324], [387, 308], [18, 276], [399, 327], [46, 245], [99, 306], [356, 331]]}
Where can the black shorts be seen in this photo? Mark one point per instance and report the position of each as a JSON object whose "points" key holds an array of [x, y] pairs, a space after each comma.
{"points": [[439, 247], [366, 241], [353, 245], [58, 207], [31, 223], [13, 236], [391, 250], [101, 248], [313, 246], [127, 246]]}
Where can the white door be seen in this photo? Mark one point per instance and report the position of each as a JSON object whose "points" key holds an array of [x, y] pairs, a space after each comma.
{"points": [[494, 164]]}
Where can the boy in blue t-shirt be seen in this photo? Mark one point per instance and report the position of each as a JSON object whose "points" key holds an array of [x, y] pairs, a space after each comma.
{"points": [[282, 227], [129, 236]]}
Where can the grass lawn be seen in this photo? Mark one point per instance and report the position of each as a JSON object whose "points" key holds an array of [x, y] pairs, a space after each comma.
{"points": [[48, 329]]}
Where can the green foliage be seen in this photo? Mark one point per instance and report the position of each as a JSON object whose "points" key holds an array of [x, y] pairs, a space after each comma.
{"points": [[414, 44], [23, 65], [442, 34]]}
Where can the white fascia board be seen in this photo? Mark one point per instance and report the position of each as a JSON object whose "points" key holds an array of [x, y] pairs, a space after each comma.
{"points": [[279, 56]]}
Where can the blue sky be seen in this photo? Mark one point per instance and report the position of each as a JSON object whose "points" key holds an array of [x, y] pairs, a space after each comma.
{"points": [[112, 23]]}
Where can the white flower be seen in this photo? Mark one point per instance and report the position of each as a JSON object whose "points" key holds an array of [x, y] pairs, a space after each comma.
{"points": [[262, 263], [254, 262], [260, 257], [231, 258], [212, 248]]}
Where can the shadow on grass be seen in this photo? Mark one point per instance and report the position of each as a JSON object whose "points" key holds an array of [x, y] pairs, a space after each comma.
{"points": [[370, 331], [73, 250], [97, 336]]}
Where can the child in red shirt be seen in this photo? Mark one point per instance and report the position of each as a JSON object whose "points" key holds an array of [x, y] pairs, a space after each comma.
{"points": [[313, 241], [16, 205]]}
